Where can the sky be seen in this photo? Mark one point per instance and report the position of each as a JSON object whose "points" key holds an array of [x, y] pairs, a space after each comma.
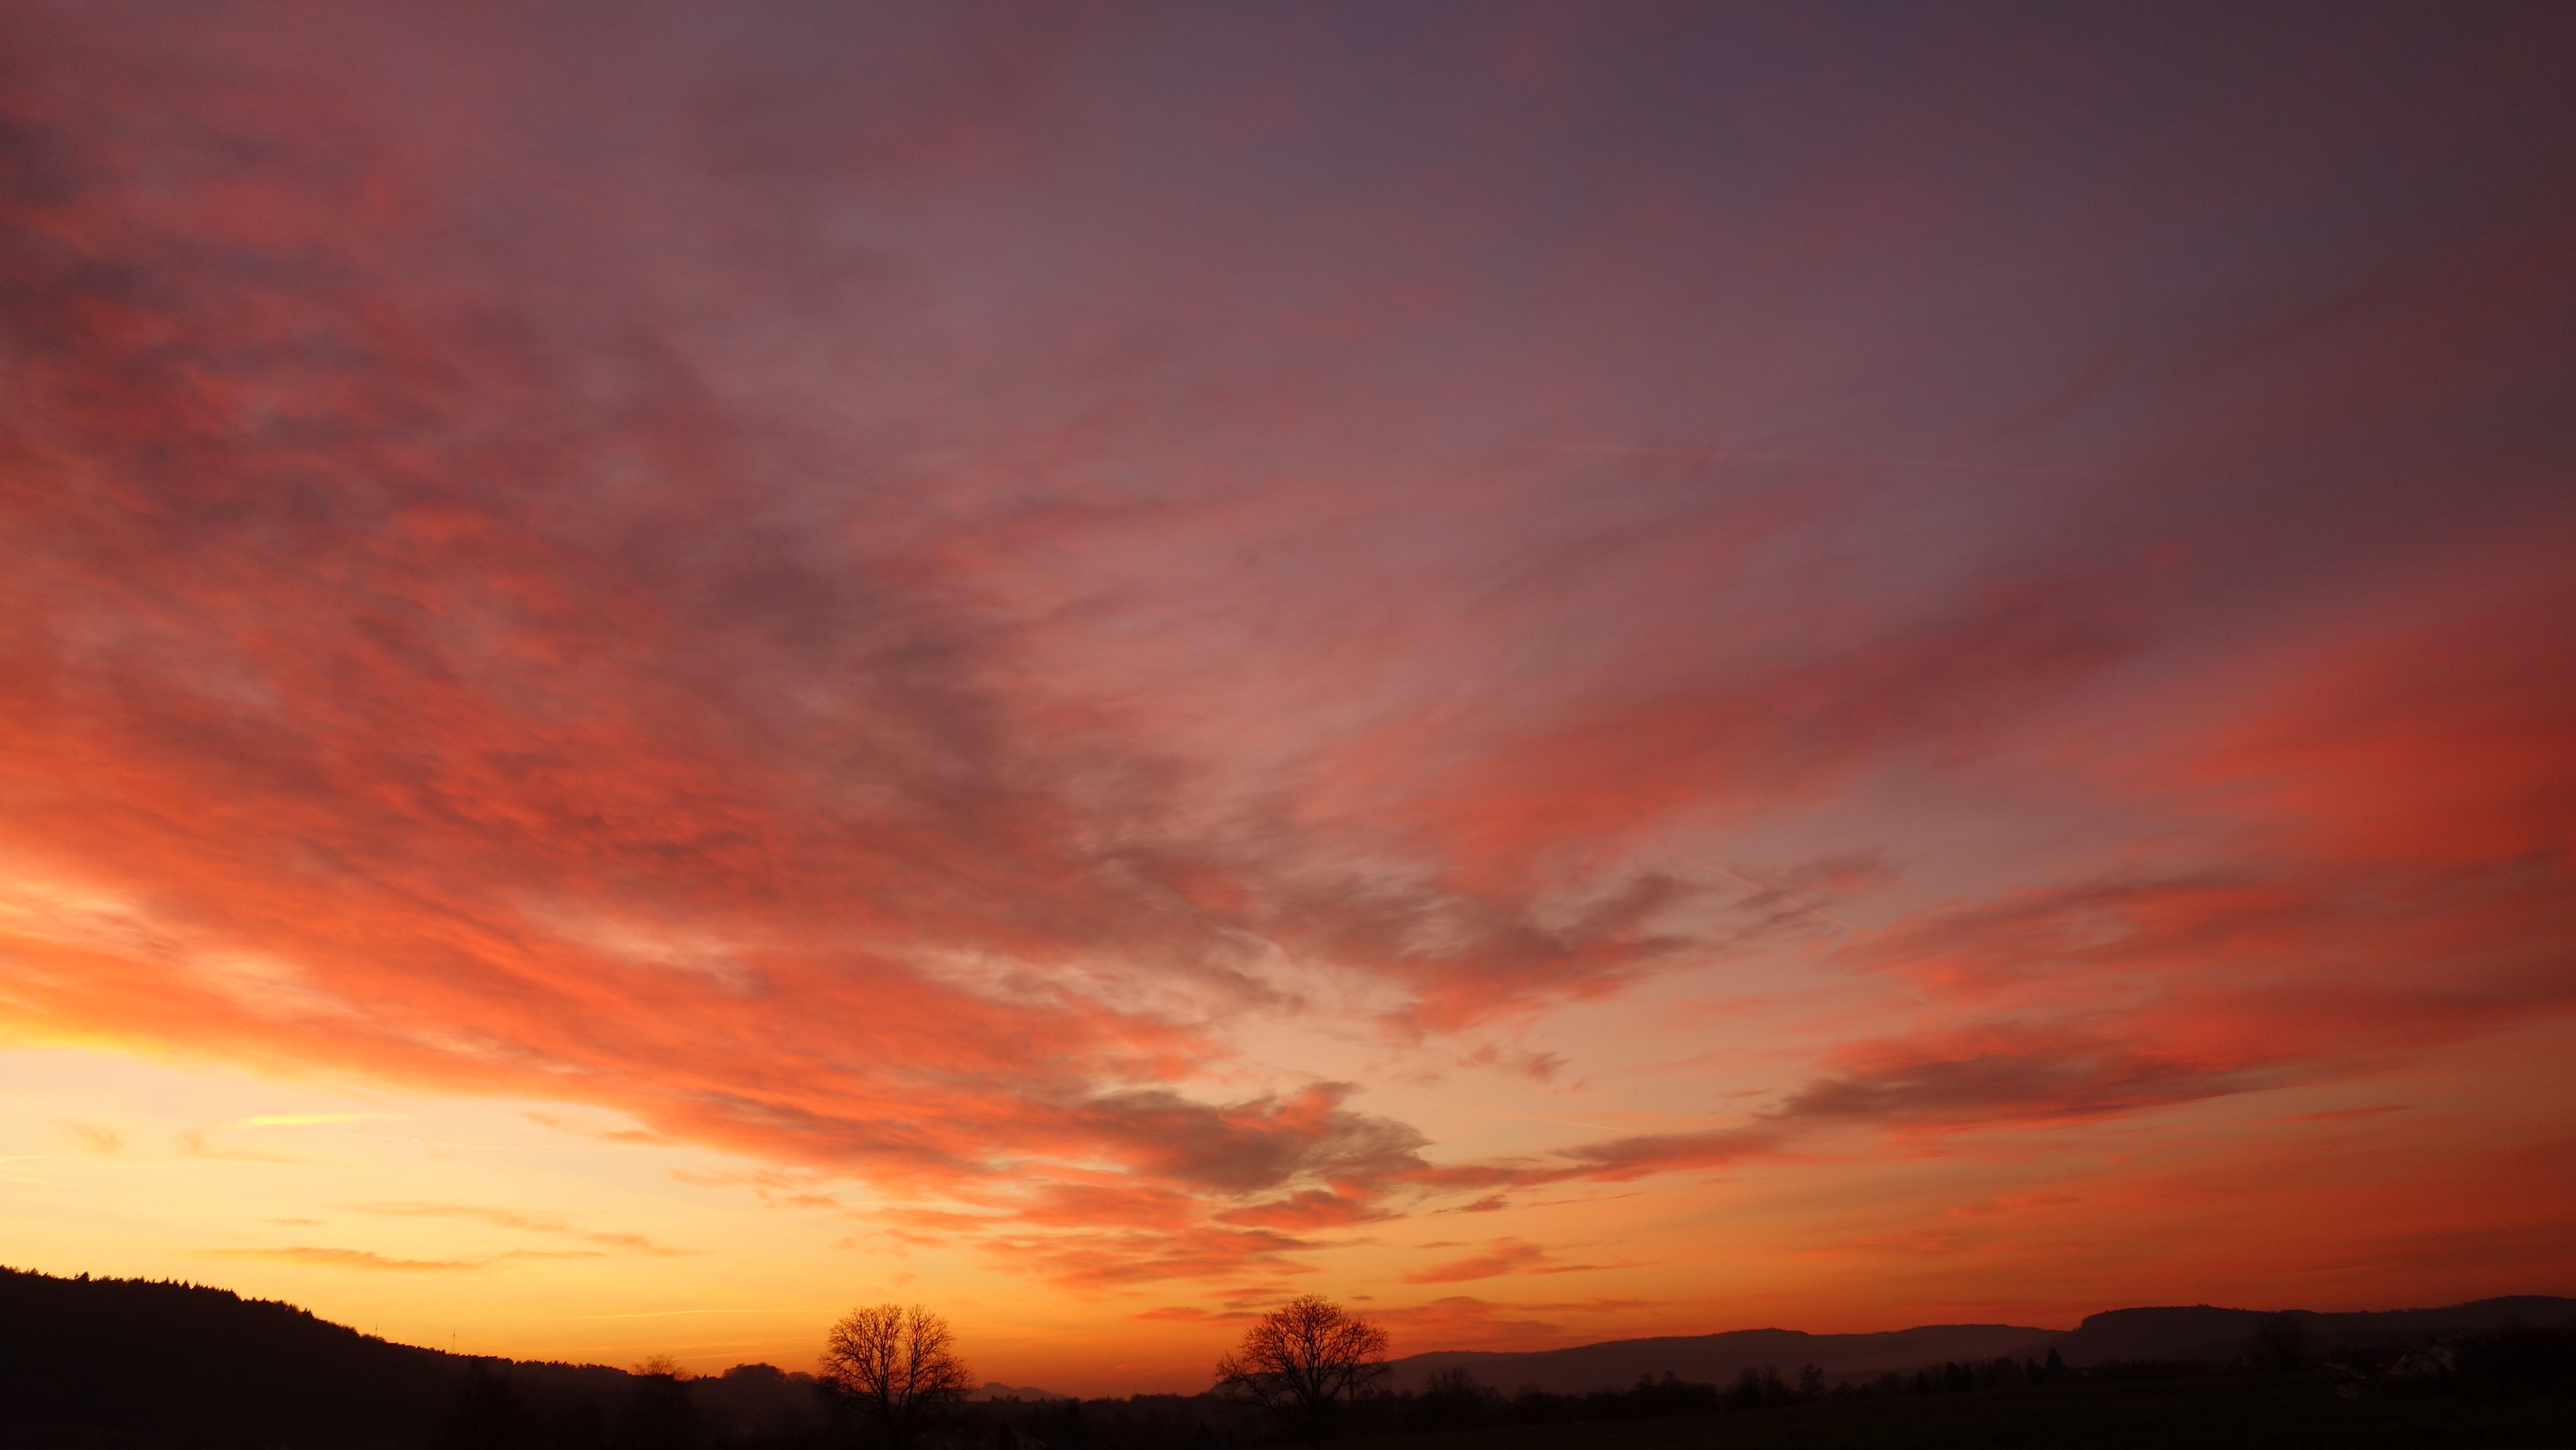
{"points": [[1564, 671]]}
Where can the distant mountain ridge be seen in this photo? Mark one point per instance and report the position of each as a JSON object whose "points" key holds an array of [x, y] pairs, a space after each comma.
{"points": [[1719, 1358], [2173, 1333], [999, 1391]]}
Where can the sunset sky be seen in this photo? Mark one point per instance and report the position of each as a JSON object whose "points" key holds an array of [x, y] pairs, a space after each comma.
{"points": [[1566, 672]]}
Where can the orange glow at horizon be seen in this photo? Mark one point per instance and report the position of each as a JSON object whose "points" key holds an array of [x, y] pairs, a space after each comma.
{"points": [[1566, 674]]}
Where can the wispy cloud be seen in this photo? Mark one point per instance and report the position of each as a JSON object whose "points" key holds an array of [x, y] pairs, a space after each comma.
{"points": [[332, 1258], [97, 1141], [522, 1221], [193, 1143], [1504, 1257]]}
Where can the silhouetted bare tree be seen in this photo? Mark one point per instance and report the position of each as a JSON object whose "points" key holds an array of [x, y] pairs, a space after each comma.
{"points": [[1302, 1360], [897, 1365]]}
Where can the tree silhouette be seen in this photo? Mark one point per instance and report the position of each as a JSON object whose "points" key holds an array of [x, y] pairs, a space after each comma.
{"points": [[1454, 1400], [489, 1414], [898, 1366], [659, 1414], [1302, 1360]]}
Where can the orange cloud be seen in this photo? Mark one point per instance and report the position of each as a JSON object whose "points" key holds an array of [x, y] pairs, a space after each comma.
{"points": [[1464, 1322], [1506, 1257], [545, 1223]]}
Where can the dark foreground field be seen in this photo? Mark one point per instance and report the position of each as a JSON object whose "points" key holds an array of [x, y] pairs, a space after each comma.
{"points": [[2215, 1412]]}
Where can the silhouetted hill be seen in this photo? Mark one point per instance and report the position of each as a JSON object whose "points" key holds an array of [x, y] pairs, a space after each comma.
{"points": [[159, 1361], [2200, 1332], [1719, 1358], [999, 1391], [2197, 1333], [134, 1363]]}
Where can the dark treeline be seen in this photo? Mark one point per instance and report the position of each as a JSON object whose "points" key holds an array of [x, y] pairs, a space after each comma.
{"points": [[749, 1407], [2511, 1361], [138, 1365]]}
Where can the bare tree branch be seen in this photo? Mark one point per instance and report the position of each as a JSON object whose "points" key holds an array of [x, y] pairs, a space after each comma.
{"points": [[899, 1365], [1302, 1360]]}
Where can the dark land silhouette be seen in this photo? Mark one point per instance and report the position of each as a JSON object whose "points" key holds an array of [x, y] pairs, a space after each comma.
{"points": [[131, 1362], [2194, 1334], [140, 1365]]}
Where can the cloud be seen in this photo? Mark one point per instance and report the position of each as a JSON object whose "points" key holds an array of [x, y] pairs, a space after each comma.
{"points": [[1097, 1260], [2014, 1202], [1312, 1209], [325, 1258], [2003, 1075], [515, 601], [191, 1142], [1252, 1145], [525, 1222], [1942, 686], [1505, 1257], [95, 1140], [1461, 1321], [1539, 1067], [1611, 1160]]}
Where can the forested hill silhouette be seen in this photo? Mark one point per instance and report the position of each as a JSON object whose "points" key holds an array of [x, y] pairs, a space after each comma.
{"points": [[2201, 1332], [156, 1359], [2176, 1335], [146, 1363]]}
